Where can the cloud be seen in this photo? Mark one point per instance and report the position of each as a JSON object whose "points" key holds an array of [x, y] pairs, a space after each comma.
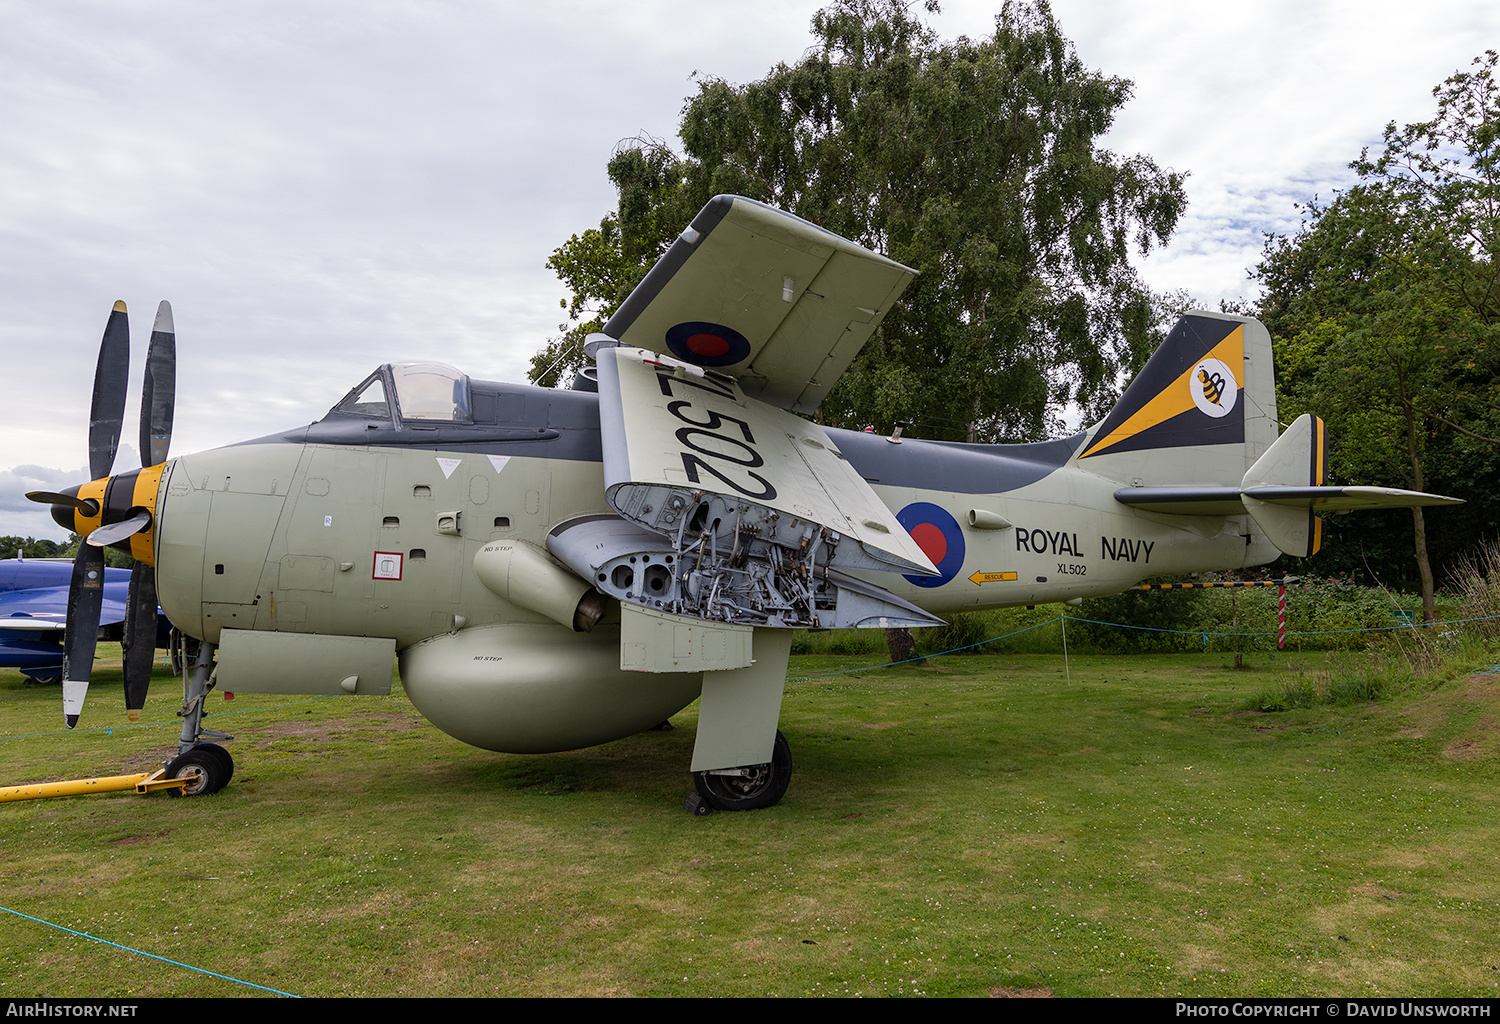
{"points": [[20, 517], [320, 188]]}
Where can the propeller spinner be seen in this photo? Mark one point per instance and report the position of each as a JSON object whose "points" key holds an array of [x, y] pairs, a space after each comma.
{"points": [[117, 510]]}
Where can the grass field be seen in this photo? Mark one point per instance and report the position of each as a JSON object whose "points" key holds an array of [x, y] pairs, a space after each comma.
{"points": [[969, 826]]}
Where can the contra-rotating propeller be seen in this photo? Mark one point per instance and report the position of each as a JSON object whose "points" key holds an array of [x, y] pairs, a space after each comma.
{"points": [[117, 510]]}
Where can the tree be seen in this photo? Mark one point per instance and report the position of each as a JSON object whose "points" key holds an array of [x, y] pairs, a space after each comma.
{"points": [[1384, 310], [602, 265], [973, 162], [27, 547]]}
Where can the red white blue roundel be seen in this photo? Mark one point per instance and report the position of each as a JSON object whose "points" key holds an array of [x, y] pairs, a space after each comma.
{"points": [[706, 344], [938, 535]]}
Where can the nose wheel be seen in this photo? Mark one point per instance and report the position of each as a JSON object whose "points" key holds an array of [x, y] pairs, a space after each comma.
{"points": [[751, 787], [208, 766]]}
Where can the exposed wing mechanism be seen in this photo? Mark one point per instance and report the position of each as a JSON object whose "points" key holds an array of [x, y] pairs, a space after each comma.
{"points": [[730, 510], [732, 513]]}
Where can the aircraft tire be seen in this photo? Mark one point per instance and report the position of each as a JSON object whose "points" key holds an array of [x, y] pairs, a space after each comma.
{"points": [[44, 678], [205, 769], [763, 787], [225, 761]]}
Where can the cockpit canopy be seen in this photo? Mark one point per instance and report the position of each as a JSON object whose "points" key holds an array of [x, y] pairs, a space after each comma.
{"points": [[430, 392]]}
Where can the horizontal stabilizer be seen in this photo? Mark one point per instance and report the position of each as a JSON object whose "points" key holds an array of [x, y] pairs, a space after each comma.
{"points": [[1284, 492], [1227, 501], [1346, 499]]}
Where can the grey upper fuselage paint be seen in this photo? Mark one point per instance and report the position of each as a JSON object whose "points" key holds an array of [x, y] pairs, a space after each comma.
{"points": [[551, 423]]}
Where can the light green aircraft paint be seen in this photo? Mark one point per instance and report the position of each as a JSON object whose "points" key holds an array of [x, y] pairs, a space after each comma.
{"points": [[491, 536]]}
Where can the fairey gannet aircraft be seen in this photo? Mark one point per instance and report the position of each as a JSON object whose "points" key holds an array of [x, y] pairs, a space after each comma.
{"points": [[559, 568]]}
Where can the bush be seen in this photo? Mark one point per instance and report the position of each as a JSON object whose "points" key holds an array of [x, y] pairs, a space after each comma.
{"points": [[1477, 581], [1355, 681]]}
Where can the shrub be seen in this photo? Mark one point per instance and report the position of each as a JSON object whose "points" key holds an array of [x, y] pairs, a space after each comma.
{"points": [[1477, 581]]}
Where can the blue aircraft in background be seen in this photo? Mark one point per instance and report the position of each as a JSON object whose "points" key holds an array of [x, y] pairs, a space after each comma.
{"points": [[34, 611]]}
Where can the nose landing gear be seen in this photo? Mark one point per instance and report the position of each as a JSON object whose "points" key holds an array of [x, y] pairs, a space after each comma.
{"points": [[207, 765]]}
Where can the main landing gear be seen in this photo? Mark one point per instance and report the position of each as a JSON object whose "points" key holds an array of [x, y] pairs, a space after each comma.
{"points": [[207, 765], [749, 788]]}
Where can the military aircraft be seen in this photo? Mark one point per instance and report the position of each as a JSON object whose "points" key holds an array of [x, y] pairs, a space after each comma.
{"points": [[556, 568], [34, 609]]}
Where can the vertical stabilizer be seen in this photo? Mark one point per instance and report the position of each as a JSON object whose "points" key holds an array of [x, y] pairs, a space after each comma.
{"points": [[1207, 395]]}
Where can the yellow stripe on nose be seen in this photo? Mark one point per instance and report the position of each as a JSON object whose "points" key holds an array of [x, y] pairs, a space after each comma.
{"points": [[142, 547], [83, 525]]}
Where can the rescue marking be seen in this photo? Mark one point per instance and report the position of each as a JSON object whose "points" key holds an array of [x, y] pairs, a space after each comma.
{"points": [[979, 579]]}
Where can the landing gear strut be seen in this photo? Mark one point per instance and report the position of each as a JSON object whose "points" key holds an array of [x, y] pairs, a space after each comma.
{"points": [[749, 788], [207, 764]]}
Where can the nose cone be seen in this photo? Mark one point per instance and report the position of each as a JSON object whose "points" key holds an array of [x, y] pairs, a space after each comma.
{"points": [[122, 507], [62, 515]]}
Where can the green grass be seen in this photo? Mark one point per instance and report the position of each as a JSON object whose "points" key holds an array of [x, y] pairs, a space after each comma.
{"points": [[962, 827]]}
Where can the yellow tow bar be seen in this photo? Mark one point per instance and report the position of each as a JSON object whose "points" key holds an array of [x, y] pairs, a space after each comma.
{"points": [[144, 782]]}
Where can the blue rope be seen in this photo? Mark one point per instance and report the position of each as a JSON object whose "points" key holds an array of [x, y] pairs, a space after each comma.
{"points": [[175, 963], [1290, 632]]}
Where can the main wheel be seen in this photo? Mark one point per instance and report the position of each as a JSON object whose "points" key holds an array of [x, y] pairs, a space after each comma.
{"points": [[44, 677], [202, 767], [762, 785]]}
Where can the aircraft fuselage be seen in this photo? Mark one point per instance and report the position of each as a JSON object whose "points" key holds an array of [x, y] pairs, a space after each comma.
{"points": [[370, 528]]}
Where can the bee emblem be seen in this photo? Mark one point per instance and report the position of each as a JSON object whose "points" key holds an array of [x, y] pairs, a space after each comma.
{"points": [[1213, 385]]}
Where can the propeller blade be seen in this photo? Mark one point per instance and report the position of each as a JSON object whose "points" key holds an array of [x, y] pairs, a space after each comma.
{"points": [[89, 508], [85, 602], [158, 395], [140, 638], [116, 532], [110, 378]]}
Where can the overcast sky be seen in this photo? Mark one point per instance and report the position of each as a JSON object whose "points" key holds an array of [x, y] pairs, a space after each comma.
{"points": [[319, 187]]}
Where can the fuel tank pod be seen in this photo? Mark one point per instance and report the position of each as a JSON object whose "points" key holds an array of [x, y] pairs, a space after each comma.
{"points": [[533, 688]]}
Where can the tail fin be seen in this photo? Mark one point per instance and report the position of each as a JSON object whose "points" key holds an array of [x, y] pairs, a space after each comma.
{"points": [[1208, 394], [1196, 434]]}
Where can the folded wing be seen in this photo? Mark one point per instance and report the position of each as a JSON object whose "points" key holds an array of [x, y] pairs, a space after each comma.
{"points": [[779, 304]]}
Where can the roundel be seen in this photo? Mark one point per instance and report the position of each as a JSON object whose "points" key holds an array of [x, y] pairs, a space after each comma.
{"points": [[938, 535], [1213, 386], [706, 344]]}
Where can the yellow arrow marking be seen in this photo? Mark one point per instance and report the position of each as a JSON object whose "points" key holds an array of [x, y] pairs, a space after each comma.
{"points": [[981, 578]]}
